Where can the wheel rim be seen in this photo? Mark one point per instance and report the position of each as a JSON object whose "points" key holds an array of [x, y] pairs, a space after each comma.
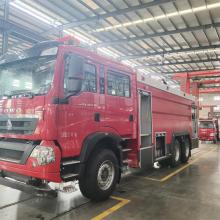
{"points": [[177, 152], [106, 175]]}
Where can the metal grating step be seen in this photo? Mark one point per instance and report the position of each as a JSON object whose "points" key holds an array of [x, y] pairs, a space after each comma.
{"points": [[163, 157], [69, 175], [126, 161], [126, 149], [70, 162]]}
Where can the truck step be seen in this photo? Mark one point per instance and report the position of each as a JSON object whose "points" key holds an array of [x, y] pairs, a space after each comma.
{"points": [[126, 161], [162, 158], [125, 139], [70, 162], [126, 149], [143, 135], [69, 175]]}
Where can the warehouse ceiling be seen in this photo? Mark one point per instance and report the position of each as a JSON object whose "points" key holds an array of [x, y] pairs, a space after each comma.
{"points": [[160, 36]]}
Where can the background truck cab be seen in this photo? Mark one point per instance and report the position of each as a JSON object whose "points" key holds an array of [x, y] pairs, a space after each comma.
{"points": [[208, 130]]}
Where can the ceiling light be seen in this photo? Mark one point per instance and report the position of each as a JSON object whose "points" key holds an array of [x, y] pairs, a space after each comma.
{"points": [[34, 13], [129, 63], [201, 8], [125, 24], [172, 14], [216, 98], [109, 28], [215, 5], [136, 22], [107, 52], [100, 29], [168, 15], [118, 26], [147, 57], [187, 11], [147, 20], [216, 108], [80, 37]]}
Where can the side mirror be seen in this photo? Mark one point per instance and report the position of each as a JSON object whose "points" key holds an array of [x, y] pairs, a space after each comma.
{"points": [[74, 73]]}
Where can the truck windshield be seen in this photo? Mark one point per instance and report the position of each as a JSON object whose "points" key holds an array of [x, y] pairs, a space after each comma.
{"points": [[27, 77], [206, 124]]}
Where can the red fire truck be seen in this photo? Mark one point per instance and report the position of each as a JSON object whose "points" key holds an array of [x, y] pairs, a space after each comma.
{"points": [[69, 114], [208, 130]]}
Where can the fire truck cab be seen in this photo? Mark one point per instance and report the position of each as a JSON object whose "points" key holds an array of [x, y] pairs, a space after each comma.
{"points": [[208, 130]]}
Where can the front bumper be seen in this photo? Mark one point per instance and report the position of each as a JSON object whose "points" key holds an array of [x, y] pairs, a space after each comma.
{"points": [[25, 167], [44, 190]]}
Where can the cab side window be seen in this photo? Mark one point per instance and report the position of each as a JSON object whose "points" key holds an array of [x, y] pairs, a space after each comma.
{"points": [[90, 78], [118, 84]]}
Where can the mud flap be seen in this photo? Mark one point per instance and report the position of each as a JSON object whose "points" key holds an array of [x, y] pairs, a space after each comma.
{"points": [[146, 158], [195, 143]]}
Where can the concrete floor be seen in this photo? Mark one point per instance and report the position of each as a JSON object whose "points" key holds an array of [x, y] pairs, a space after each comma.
{"points": [[191, 191]]}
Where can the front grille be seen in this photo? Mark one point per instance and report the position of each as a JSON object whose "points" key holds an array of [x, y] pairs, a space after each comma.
{"points": [[10, 125], [15, 151], [16, 123], [11, 155]]}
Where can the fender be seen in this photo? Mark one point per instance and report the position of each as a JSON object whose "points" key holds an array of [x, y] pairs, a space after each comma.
{"points": [[92, 140]]}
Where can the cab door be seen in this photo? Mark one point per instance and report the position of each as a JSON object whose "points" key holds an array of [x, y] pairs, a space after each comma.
{"points": [[77, 116], [120, 102]]}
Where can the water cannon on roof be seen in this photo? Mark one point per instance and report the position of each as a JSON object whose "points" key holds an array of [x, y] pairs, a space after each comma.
{"points": [[69, 40]]}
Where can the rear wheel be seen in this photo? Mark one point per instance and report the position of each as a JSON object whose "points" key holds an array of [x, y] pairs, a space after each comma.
{"points": [[185, 151], [101, 175], [176, 155]]}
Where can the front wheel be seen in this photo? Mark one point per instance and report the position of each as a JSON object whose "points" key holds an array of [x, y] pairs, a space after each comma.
{"points": [[101, 175]]}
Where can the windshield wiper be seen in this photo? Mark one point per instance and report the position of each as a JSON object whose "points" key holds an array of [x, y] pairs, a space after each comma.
{"points": [[24, 93], [6, 96]]}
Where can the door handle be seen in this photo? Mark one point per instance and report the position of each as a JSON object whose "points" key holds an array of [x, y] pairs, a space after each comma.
{"points": [[131, 118], [97, 117]]}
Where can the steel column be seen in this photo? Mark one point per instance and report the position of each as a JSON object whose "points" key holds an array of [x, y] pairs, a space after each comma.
{"points": [[5, 32]]}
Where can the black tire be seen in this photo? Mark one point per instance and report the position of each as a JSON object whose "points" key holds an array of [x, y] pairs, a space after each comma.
{"points": [[186, 151], [89, 184], [176, 154], [164, 163]]}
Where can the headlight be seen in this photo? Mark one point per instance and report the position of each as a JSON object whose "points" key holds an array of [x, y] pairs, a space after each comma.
{"points": [[43, 155]]}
